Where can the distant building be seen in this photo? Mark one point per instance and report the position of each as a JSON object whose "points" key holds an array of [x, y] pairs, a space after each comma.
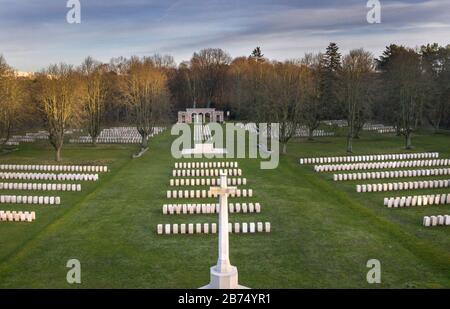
{"points": [[203, 114], [24, 74]]}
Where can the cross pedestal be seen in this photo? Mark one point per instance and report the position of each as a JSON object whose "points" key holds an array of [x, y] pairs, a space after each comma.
{"points": [[223, 274]]}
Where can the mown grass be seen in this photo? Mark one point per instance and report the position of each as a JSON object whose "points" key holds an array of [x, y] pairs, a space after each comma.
{"points": [[323, 232]]}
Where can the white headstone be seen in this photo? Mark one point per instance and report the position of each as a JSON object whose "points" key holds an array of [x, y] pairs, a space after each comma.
{"points": [[237, 227], [259, 226], [167, 229]]}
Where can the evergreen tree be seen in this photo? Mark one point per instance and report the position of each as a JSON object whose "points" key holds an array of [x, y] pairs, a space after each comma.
{"points": [[436, 71], [257, 54], [330, 66], [390, 51], [332, 58]]}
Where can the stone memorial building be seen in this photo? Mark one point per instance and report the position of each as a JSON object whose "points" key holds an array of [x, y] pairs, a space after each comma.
{"points": [[204, 115]]}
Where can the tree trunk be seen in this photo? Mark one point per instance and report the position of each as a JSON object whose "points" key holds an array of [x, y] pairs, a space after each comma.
{"points": [[94, 140], [310, 134], [284, 148], [416, 123], [437, 126], [350, 143], [58, 154], [144, 143], [408, 140], [398, 130]]}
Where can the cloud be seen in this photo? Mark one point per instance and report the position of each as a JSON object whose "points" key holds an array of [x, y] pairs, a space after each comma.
{"points": [[34, 33]]}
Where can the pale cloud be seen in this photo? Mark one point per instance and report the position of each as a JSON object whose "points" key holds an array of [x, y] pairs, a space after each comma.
{"points": [[33, 33]]}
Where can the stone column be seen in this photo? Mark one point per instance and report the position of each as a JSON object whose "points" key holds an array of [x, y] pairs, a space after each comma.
{"points": [[223, 262], [223, 274]]}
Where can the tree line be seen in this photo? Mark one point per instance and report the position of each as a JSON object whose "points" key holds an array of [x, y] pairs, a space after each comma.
{"points": [[405, 87]]}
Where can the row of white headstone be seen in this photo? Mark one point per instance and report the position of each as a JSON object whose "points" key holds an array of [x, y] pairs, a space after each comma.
{"points": [[202, 133], [341, 123], [251, 127], [315, 133], [211, 228], [205, 193], [436, 220], [15, 140], [117, 135], [40, 186], [44, 135], [198, 133], [417, 200], [22, 139], [386, 130], [106, 140], [365, 158], [54, 168], [28, 199], [206, 181], [207, 136], [379, 128], [49, 176], [395, 186], [391, 174], [17, 216], [10, 143], [262, 131], [126, 131], [215, 164], [206, 172], [380, 165], [171, 209]]}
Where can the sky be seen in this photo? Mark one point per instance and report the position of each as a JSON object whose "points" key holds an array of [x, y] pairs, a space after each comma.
{"points": [[35, 33]]}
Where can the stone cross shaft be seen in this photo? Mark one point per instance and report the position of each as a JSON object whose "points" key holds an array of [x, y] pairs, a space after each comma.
{"points": [[223, 261]]}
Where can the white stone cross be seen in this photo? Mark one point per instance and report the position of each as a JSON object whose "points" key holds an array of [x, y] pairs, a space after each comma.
{"points": [[223, 275], [223, 261]]}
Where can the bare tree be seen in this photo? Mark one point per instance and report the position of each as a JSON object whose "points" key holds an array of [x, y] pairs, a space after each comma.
{"points": [[210, 67], [238, 93], [146, 91], [95, 88], [192, 81], [283, 90], [246, 83], [116, 106], [163, 61], [11, 101], [312, 107], [58, 95], [355, 74], [405, 87]]}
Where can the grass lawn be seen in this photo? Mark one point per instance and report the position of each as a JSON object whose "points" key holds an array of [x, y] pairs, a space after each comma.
{"points": [[323, 232]]}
